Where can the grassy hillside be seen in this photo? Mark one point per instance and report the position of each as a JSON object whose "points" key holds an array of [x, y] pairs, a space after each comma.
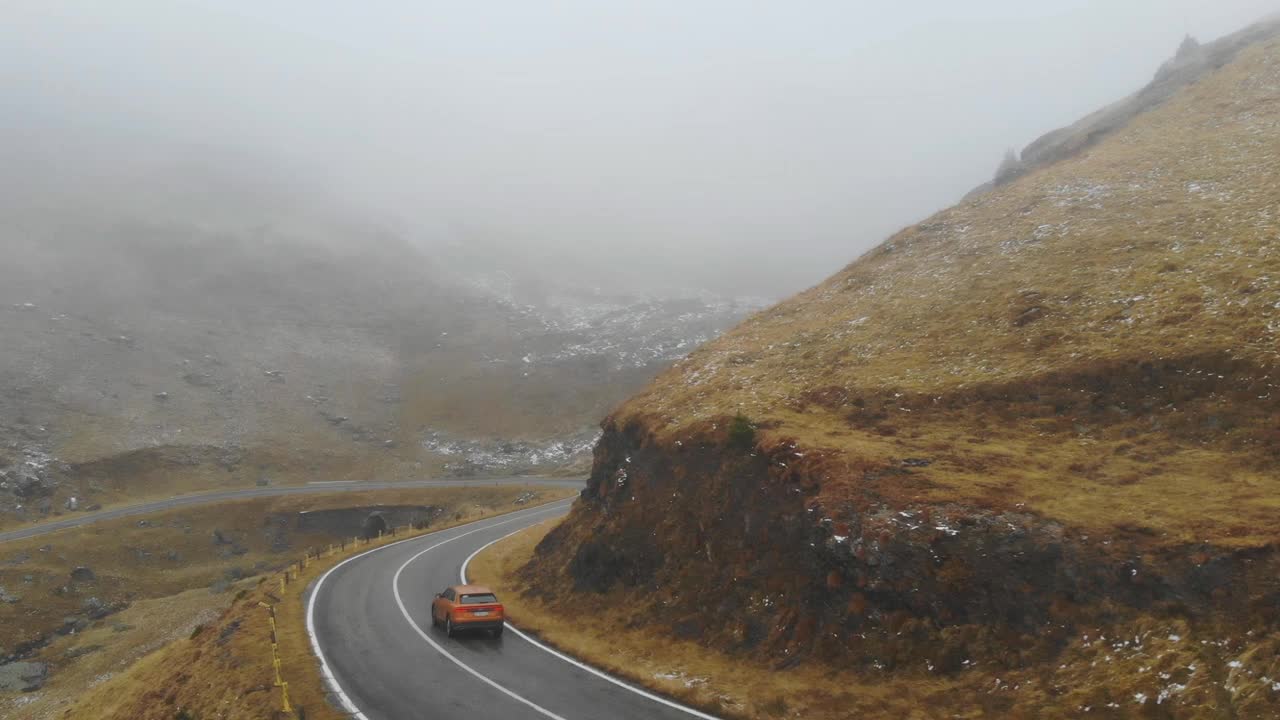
{"points": [[1097, 342], [1045, 415]]}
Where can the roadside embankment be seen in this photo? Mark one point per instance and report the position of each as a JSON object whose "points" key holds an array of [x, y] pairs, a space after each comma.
{"points": [[225, 668]]}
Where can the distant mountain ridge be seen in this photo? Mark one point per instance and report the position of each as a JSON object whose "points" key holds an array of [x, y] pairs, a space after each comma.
{"points": [[214, 320]]}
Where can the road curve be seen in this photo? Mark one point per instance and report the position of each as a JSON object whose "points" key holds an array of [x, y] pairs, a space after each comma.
{"points": [[369, 620], [258, 492]]}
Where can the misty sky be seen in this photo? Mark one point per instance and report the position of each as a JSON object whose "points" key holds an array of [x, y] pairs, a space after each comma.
{"points": [[745, 147]]}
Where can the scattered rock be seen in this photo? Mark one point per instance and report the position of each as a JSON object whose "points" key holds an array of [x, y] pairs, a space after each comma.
{"points": [[198, 379], [96, 609], [161, 396], [8, 597], [83, 574], [228, 631], [81, 651], [72, 503], [220, 539], [23, 676], [73, 624]]}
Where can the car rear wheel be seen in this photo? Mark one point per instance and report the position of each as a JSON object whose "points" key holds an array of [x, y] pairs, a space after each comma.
{"points": [[497, 632], [448, 626]]}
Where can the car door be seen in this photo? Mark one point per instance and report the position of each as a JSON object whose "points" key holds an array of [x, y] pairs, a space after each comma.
{"points": [[444, 604]]}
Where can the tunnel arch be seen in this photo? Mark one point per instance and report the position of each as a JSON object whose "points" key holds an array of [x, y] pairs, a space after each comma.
{"points": [[373, 525]]}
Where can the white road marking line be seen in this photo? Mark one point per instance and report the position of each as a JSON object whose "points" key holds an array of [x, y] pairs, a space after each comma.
{"points": [[598, 673], [326, 672]]}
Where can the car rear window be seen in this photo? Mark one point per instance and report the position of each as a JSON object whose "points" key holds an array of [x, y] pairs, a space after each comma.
{"points": [[479, 599]]}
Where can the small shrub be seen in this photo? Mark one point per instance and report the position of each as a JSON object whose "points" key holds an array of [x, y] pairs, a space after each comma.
{"points": [[742, 434], [195, 632], [776, 707]]}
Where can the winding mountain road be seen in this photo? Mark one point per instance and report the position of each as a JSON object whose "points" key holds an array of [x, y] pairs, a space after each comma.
{"points": [[258, 492], [369, 621]]}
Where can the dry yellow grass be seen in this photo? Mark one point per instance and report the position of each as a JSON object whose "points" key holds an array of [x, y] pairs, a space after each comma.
{"points": [[170, 552], [1097, 341], [89, 659], [225, 671], [931, 485], [117, 479], [1221, 671]]}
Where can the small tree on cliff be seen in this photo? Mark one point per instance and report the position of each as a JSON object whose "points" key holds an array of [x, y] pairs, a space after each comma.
{"points": [[742, 434]]}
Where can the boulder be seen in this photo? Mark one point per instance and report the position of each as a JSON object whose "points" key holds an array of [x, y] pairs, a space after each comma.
{"points": [[96, 609], [28, 484], [73, 624], [23, 676]]}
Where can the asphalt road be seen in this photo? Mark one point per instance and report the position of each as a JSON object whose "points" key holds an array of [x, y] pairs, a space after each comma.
{"points": [[369, 619], [257, 492]]}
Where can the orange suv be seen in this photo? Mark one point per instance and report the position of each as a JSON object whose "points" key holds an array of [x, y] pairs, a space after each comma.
{"points": [[467, 607]]}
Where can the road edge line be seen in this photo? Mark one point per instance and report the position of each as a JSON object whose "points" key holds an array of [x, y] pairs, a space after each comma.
{"points": [[326, 673], [574, 661], [395, 591]]}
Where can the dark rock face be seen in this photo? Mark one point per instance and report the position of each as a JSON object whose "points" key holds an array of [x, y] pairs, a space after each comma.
{"points": [[736, 547]]}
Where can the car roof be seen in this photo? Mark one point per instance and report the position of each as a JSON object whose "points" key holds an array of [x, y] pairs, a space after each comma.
{"points": [[472, 590]]}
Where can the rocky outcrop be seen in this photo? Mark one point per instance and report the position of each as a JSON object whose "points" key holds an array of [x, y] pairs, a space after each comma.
{"points": [[1192, 62], [740, 549]]}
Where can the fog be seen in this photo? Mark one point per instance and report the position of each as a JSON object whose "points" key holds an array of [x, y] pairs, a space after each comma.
{"points": [[737, 147]]}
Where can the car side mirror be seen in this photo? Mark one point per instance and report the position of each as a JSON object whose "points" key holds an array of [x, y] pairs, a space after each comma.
{"points": [[437, 595]]}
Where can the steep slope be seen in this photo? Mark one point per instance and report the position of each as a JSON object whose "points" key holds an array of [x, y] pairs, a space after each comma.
{"points": [[1048, 412], [1191, 63]]}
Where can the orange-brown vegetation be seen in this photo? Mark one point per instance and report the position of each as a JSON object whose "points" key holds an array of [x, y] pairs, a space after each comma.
{"points": [[1041, 416]]}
